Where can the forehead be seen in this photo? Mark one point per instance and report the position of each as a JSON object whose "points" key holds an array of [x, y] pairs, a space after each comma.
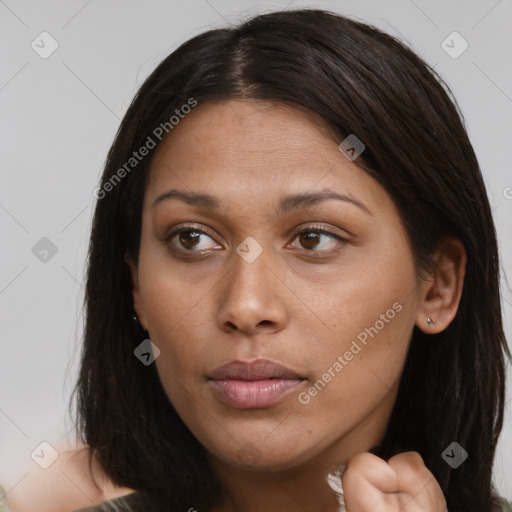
{"points": [[253, 121], [251, 148], [236, 131]]}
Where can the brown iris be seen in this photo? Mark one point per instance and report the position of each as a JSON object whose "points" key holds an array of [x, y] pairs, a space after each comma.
{"points": [[189, 238]]}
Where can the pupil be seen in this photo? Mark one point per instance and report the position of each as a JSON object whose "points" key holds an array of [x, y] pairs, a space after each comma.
{"points": [[187, 236], [308, 237]]}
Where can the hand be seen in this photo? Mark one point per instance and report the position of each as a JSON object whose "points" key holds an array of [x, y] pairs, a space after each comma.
{"points": [[370, 484]]}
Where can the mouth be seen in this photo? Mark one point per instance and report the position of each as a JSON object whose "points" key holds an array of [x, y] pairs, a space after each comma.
{"points": [[253, 385]]}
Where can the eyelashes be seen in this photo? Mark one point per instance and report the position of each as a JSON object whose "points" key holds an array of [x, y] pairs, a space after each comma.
{"points": [[198, 234], [318, 233], [191, 241]]}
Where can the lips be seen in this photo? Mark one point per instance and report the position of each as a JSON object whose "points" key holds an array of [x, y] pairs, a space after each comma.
{"points": [[261, 369], [253, 385]]}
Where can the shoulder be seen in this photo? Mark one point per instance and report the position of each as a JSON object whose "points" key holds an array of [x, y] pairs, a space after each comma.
{"points": [[3, 501], [74, 480], [133, 502], [501, 504]]}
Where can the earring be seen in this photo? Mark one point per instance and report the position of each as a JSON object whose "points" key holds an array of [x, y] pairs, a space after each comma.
{"points": [[141, 332], [430, 321]]}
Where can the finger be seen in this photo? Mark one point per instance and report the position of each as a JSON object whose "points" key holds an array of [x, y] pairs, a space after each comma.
{"points": [[415, 480], [411, 472], [375, 470], [359, 494]]}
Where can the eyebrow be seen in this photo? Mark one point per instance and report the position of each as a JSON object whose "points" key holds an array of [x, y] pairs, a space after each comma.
{"points": [[286, 204]]}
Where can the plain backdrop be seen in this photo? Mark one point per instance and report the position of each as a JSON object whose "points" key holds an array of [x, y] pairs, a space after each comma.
{"points": [[59, 115]]}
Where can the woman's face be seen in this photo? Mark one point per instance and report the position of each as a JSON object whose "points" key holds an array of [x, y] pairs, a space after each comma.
{"points": [[272, 268]]}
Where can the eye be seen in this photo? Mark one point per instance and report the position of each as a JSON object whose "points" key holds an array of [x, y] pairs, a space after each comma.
{"points": [[190, 240], [318, 239], [312, 239]]}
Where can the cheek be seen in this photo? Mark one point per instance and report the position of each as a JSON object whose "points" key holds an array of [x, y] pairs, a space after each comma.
{"points": [[375, 306], [174, 314], [166, 294], [371, 314], [358, 373]]}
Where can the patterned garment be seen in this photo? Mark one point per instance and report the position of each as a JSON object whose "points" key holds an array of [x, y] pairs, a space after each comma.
{"points": [[334, 481]]}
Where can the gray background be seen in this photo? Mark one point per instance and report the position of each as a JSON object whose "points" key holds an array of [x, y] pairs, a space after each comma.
{"points": [[59, 116]]}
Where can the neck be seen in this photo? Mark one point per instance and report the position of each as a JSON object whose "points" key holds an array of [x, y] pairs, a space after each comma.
{"points": [[287, 491]]}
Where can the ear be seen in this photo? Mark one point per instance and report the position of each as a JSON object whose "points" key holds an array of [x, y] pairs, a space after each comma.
{"points": [[440, 294], [137, 300]]}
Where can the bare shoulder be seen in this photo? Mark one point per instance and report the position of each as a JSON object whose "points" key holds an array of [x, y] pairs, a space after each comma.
{"points": [[71, 482]]}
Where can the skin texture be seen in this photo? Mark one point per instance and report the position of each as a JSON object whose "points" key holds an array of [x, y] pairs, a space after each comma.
{"points": [[302, 302]]}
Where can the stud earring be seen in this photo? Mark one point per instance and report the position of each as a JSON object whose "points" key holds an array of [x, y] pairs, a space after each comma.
{"points": [[430, 321], [141, 332]]}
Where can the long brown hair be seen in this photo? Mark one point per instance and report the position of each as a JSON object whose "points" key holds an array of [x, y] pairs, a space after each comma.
{"points": [[362, 81]]}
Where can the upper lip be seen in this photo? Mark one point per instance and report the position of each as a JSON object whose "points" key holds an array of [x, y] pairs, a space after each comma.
{"points": [[253, 370]]}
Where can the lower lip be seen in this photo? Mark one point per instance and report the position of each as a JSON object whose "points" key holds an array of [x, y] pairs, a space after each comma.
{"points": [[255, 394]]}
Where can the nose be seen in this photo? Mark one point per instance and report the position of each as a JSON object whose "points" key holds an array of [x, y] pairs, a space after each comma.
{"points": [[253, 297]]}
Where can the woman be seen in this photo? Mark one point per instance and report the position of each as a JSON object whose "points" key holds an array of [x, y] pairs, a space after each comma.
{"points": [[295, 218]]}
